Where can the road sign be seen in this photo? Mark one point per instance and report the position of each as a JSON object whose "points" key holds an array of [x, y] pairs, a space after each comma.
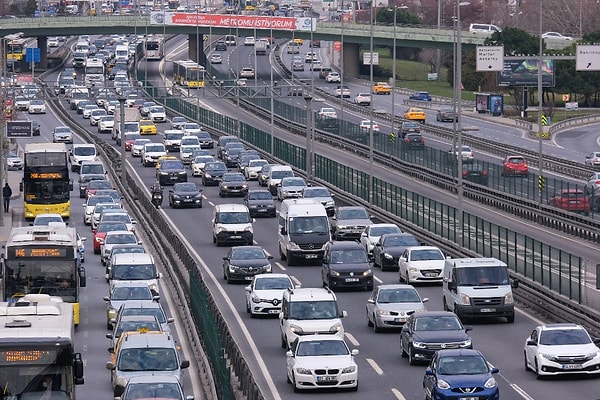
{"points": [[490, 58], [18, 129], [544, 120], [33, 54], [565, 97], [587, 58], [367, 58]]}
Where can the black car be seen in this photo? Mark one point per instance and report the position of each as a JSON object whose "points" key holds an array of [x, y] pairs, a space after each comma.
{"points": [[185, 194], [213, 173], [475, 173], [206, 141], [409, 127], [413, 141], [446, 114], [390, 247], [433, 330], [233, 184], [346, 265], [260, 203], [243, 262], [35, 128], [170, 172], [221, 46]]}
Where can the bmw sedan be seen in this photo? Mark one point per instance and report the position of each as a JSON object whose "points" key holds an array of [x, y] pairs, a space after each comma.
{"points": [[243, 262], [185, 194]]}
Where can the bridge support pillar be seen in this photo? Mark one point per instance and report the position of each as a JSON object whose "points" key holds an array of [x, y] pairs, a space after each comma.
{"points": [[195, 49], [351, 60], [42, 42]]}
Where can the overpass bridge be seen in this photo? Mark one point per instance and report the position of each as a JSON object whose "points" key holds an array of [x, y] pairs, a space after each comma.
{"points": [[353, 34]]}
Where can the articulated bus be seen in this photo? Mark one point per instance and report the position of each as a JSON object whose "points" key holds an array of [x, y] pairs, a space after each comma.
{"points": [[188, 73], [43, 260], [154, 48], [38, 347], [46, 183]]}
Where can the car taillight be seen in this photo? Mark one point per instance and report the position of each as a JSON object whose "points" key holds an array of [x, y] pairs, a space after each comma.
{"points": [[484, 173], [422, 140]]}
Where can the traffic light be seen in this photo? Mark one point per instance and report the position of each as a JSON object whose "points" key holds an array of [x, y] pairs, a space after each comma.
{"points": [[541, 182]]}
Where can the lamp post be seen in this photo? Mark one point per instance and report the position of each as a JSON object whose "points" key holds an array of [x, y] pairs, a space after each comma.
{"points": [[438, 53], [309, 115], [393, 73], [371, 109], [540, 104], [122, 134]]}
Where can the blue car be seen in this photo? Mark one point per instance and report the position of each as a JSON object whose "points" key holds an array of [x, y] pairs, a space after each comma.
{"points": [[421, 96], [461, 374]]}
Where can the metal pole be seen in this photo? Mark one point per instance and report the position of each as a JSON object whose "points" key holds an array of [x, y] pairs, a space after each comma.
{"points": [[308, 99], [341, 118], [310, 174], [371, 112], [122, 134], [393, 75], [458, 87], [272, 101], [2, 118], [438, 55], [540, 103]]}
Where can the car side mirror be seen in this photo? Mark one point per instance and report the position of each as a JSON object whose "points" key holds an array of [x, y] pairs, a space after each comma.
{"points": [[344, 314], [428, 372], [371, 300], [468, 328], [283, 231], [495, 370], [289, 353], [515, 284]]}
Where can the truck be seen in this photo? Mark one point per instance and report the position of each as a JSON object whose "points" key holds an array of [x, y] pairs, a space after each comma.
{"points": [[478, 287], [131, 122], [261, 46]]}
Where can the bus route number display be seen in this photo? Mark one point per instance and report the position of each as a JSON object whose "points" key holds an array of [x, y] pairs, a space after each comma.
{"points": [[45, 175], [10, 357], [33, 252]]}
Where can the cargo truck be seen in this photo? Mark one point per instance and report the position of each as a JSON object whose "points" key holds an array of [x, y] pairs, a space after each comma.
{"points": [[131, 122], [260, 46]]}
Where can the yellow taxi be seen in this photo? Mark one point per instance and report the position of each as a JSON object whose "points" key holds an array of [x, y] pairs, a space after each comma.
{"points": [[163, 158], [415, 114], [147, 127], [382, 88], [298, 41]]}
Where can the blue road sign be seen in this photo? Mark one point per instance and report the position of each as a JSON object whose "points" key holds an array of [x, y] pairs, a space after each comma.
{"points": [[33, 54]]}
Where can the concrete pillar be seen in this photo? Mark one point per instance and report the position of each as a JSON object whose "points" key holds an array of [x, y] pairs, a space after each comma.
{"points": [[42, 42], [195, 49], [351, 60]]}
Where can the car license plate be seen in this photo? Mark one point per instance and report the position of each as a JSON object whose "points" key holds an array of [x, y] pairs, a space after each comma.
{"points": [[468, 398], [326, 378], [262, 210], [248, 278], [273, 312], [311, 256], [235, 237], [400, 319], [187, 200], [488, 310], [351, 279], [572, 366], [431, 274]]}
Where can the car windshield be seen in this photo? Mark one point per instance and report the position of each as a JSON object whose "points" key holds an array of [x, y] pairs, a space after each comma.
{"points": [[185, 187], [247, 254], [149, 149], [317, 193], [272, 284], [122, 293], [162, 390], [392, 241], [322, 348], [111, 226], [128, 272], [100, 184], [233, 218], [462, 365], [147, 359], [215, 167], [311, 224], [313, 310], [516, 160], [426, 255], [116, 217], [173, 136], [233, 178], [172, 164], [437, 323], [84, 151], [563, 337], [382, 230], [281, 174], [352, 214], [260, 196], [93, 200], [349, 256], [120, 239], [398, 296], [133, 326], [294, 182], [41, 220], [155, 311], [489, 276]]}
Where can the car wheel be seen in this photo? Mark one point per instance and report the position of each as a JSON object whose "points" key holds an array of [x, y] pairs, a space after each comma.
{"points": [[444, 305], [511, 318], [411, 356], [369, 287], [281, 255], [355, 388], [296, 388], [369, 322], [283, 342], [537, 371], [376, 328], [525, 361], [200, 204], [403, 353], [377, 264]]}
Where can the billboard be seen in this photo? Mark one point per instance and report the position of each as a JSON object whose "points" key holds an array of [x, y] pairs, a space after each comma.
{"points": [[234, 21], [18, 129], [525, 73]]}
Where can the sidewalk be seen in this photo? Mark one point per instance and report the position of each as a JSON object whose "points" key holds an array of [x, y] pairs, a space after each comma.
{"points": [[14, 217]]}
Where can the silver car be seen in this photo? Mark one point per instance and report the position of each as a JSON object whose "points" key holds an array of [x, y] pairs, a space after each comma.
{"points": [[389, 306], [322, 195], [291, 187]]}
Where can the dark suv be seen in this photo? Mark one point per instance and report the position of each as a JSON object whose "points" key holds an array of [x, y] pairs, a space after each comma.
{"points": [[171, 172], [346, 265], [221, 46]]}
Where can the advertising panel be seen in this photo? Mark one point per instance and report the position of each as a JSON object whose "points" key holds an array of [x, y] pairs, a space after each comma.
{"points": [[235, 21], [18, 129], [524, 73]]}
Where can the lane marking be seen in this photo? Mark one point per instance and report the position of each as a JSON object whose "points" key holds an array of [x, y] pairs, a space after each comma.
{"points": [[520, 391], [374, 365], [398, 395], [352, 339]]}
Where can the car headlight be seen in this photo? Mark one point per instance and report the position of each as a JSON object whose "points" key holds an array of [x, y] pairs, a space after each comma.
{"points": [[334, 273], [367, 272], [388, 256], [182, 173], [442, 384], [296, 329], [466, 344], [336, 328], [549, 357], [256, 299], [207, 176], [293, 246], [224, 187], [267, 268], [330, 203], [303, 371], [419, 345], [244, 186], [153, 288], [248, 228], [490, 383], [383, 312], [349, 369], [342, 227], [233, 268], [162, 173], [465, 299], [508, 298]]}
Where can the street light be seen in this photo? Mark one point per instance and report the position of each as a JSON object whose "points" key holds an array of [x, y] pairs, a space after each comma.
{"points": [[309, 115]]}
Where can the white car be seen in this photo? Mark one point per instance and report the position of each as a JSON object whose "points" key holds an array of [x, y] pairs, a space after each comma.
{"points": [[138, 146], [290, 187], [421, 264], [389, 306], [96, 115], [36, 106], [247, 72], [87, 110], [62, 134], [365, 125], [52, 41], [13, 161], [253, 169], [216, 58], [265, 294], [321, 361], [157, 114], [556, 35], [556, 349], [106, 124], [363, 99], [310, 57], [198, 164], [327, 112], [242, 82], [333, 77], [249, 41], [342, 91], [113, 238], [191, 129], [373, 232], [152, 152]]}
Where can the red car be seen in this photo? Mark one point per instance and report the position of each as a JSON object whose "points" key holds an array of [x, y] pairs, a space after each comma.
{"points": [[94, 186], [103, 228], [571, 200], [129, 139], [515, 166]]}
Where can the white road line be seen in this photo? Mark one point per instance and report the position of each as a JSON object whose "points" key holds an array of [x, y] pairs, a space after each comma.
{"points": [[377, 279], [521, 392], [296, 281], [352, 339], [281, 266], [398, 395], [374, 365]]}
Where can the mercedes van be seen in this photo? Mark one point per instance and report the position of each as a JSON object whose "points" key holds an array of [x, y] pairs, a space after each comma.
{"points": [[303, 231], [478, 287]]}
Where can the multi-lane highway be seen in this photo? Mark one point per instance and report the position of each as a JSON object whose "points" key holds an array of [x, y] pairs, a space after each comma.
{"points": [[382, 371]]}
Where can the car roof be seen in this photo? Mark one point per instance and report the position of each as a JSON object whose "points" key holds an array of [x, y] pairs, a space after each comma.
{"points": [[560, 326], [344, 245]]}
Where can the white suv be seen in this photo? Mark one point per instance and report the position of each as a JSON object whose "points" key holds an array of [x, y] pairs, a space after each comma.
{"points": [[80, 153], [152, 152], [309, 311]]}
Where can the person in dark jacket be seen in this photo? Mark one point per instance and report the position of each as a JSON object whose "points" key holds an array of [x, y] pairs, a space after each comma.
{"points": [[6, 194]]}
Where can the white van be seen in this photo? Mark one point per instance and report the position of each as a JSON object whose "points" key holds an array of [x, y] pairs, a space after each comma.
{"points": [[478, 287], [122, 53], [484, 28], [230, 40], [135, 268], [303, 230], [231, 223], [309, 311], [81, 152]]}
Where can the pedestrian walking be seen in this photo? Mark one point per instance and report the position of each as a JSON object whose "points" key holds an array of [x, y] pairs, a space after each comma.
{"points": [[6, 194]]}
